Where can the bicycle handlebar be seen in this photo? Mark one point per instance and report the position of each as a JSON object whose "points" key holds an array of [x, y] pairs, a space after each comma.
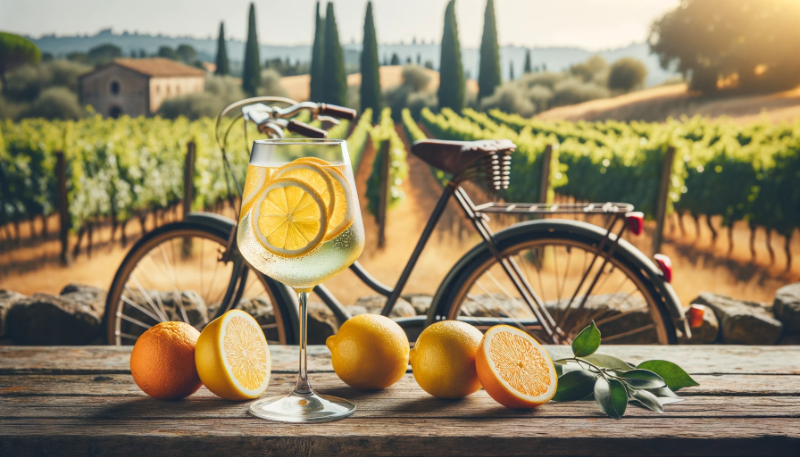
{"points": [[305, 130]]}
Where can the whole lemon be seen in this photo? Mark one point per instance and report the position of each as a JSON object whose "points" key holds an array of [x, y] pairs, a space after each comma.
{"points": [[443, 359], [162, 361], [369, 352]]}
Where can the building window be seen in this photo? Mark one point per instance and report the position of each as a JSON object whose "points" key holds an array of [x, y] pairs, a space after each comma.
{"points": [[114, 112], [158, 89], [167, 90], [114, 88]]}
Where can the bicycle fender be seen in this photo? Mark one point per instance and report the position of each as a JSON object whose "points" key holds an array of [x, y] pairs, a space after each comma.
{"points": [[537, 228], [222, 223]]}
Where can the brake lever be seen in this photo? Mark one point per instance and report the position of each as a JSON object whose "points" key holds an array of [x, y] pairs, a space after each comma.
{"points": [[330, 119], [258, 113]]}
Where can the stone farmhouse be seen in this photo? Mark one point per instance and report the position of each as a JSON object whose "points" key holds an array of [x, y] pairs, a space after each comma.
{"points": [[137, 87]]}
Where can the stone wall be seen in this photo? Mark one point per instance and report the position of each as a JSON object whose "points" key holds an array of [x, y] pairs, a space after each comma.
{"points": [[131, 97]]}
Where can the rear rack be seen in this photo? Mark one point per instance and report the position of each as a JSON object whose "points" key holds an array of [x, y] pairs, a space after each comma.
{"points": [[555, 208]]}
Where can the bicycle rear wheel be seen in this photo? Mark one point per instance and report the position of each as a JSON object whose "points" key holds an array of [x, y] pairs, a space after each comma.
{"points": [[174, 274], [623, 302]]}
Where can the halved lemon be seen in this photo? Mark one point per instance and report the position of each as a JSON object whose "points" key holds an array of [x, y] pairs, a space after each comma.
{"points": [[289, 218], [514, 368], [232, 357], [342, 215], [313, 175], [256, 178]]}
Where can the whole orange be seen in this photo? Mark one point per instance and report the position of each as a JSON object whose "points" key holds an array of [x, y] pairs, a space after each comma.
{"points": [[162, 361]]}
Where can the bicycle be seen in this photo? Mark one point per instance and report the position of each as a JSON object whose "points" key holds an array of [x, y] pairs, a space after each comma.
{"points": [[615, 285]]}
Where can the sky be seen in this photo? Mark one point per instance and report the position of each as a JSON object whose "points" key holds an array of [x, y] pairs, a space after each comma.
{"points": [[590, 24]]}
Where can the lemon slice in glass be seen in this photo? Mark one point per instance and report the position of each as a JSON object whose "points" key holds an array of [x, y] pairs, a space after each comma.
{"points": [[290, 218], [256, 178], [314, 176], [342, 215]]}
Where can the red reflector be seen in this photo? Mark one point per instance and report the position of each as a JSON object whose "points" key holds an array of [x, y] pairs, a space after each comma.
{"points": [[695, 315], [665, 264], [635, 222]]}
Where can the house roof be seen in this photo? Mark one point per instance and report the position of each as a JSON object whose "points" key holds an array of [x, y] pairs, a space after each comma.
{"points": [[159, 66]]}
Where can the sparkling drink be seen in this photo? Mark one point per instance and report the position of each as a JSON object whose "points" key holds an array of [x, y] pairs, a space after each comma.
{"points": [[300, 224]]}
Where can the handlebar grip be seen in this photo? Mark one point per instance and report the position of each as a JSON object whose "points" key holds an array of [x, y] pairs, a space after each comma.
{"points": [[306, 130], [339, 112]]}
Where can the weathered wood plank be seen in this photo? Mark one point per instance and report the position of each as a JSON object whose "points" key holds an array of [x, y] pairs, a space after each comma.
{"points": [[116, 359], [394, 403], [720, 359], [122, 385], [397, 436]]}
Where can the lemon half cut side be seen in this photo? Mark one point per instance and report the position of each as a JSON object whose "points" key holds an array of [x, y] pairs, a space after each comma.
{"points": [[290, 218], [314, 176]]}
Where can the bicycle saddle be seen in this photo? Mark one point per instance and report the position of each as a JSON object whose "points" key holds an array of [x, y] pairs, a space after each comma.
{"points": [[455, 157]]}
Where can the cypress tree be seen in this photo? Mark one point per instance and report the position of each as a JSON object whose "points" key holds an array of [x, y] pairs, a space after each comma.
{"points": [[451, 73], [489, 76], [511, 70], [528, 68], [317, 59], [251, 75], [334, 85], [370, 74], [222, 55]]}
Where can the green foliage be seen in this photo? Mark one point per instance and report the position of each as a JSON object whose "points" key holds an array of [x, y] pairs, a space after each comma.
{"points": [[119, 168], [612, 382], [286, 67], [16, 50], [721, 168], [412, 93], [489, 76], [594, 69], [452, 85], [186, 53], [103, 53], [385, 133], [168, 53], [528, 66], [370, 89], [627, 74], [395, 59], [357, 141], [223, 67], [220, 91], [251, 74], [317, 58], [707, 39], [334, 82], [26, 83], [271, 84], [55, 103]]}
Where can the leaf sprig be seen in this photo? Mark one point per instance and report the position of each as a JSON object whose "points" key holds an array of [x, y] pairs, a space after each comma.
{"points": [[613, 382]]}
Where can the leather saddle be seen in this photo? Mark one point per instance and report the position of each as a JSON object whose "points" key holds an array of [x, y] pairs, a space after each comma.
{"points": [[455, 157]]}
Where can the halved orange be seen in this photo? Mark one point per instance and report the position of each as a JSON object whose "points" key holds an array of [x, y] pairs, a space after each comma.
{"points": [[514, 368]]}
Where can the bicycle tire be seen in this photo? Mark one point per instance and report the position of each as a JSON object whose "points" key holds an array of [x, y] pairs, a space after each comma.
{"points": [[192, 230], [451, 296]]}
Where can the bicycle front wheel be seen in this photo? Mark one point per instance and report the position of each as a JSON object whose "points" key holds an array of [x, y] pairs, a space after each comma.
{"points": [[622, 301], [174, 273]]}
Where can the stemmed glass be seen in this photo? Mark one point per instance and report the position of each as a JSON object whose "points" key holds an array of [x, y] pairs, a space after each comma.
{"points": [[300, 224]]}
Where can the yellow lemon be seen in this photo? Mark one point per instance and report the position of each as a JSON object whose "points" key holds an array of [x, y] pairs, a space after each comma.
{"points": [[289, 218], [369, 352], [256, 178], [312, 175], [232, 357], [443, 359], [340, 218]]}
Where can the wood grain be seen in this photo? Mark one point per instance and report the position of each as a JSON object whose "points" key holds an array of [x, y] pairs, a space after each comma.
{"points": [[716, 359], [83, 401]]}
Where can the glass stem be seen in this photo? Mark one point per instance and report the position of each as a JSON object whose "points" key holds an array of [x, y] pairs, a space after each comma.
{"points": [[303, 387]]}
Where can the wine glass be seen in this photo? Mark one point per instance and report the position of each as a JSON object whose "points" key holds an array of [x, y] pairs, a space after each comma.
{"points": [[300, 224]]}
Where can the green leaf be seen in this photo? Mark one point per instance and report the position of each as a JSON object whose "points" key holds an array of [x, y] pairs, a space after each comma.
{"points": [[611, 396], [608, 361], [665, 395], [643, 379], [675, 377], [575, 385], [648, 400], [587, 341]]}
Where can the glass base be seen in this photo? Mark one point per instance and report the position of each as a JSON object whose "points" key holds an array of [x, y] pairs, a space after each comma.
{"points": [[297, 407]]}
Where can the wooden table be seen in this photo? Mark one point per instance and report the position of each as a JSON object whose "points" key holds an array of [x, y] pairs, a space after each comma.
{"points": [[82, 401]]}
